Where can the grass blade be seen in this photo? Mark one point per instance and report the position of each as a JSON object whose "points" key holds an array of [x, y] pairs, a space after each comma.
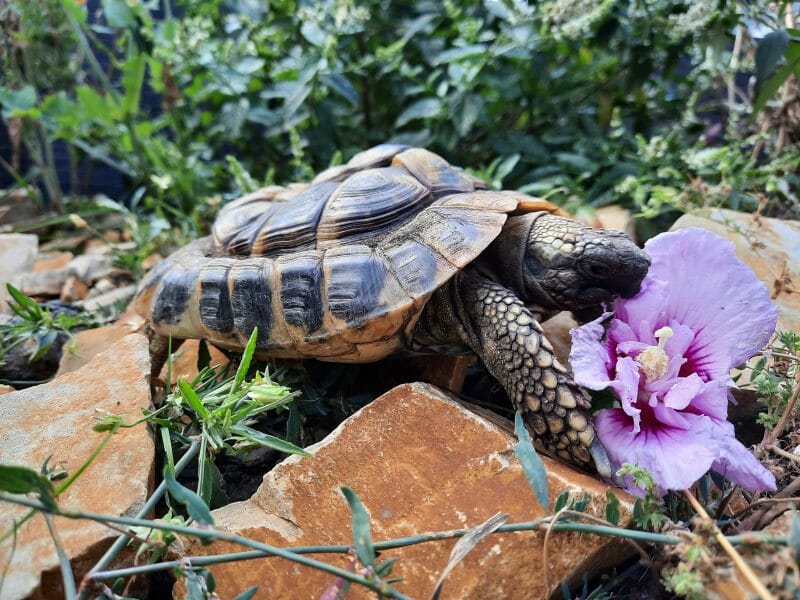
{"points": [[532, 464], [465, 544], [362, 538], [193, 399]]}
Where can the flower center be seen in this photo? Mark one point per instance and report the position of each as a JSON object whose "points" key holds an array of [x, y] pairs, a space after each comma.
{"points": [[653, 360]]}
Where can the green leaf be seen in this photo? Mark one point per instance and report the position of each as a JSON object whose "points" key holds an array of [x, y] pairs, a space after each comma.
{"points": [[362, 538], [453, 54], [193, 399], [132, 80], [532, 464], [421, 109], [17, 101], [342, 86], [612, 508], [194, 504], [23, 480], [769, 51], [244, 365], [247, 594], [118, 13], [767, 89], [26, 305], [561, 501], [268, 441]]}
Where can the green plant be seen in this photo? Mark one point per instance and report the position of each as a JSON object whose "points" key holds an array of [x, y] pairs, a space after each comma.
{"points": [[38, 325], [221, 411], [775, 376]]}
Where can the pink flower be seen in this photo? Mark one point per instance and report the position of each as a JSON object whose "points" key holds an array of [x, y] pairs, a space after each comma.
{"points": [[667, 354]]}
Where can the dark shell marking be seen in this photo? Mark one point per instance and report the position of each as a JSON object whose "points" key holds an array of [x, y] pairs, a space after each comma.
{"points": [[339, 271]]}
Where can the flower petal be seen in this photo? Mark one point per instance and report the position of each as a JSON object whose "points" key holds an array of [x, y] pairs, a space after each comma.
{"points": [[676, 458], [711, 400], [683, 391], [716, 295], [737, 463], [626, 386], [590, 357]]}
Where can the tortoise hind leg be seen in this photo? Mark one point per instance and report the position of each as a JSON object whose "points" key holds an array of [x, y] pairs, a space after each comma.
{"points": [[159, 351], [491, 321]]}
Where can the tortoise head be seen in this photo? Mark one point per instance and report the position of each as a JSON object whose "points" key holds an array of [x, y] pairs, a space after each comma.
{"points": [[559, 264]]}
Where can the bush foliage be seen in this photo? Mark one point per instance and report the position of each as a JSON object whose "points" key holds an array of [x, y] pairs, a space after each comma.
{"points": [[645, 102]]}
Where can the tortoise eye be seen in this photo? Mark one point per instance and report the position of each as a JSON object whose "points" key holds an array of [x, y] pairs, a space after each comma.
{"points": [[597, 270]]}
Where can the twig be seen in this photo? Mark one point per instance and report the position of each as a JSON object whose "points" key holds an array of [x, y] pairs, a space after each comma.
{"points": [[781, 452], [743, 567], [66, 568], [763, 501], [754, 521]]}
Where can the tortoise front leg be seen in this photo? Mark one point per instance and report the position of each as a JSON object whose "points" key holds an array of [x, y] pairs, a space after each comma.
{"points": [[491, 321]]}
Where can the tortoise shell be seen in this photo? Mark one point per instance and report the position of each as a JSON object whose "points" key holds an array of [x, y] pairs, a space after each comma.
{"points": [[339, 269]]}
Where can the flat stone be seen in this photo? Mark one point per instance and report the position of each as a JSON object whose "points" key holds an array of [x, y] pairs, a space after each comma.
{"points": [[616, 218], [17, 255], [42, 283], [107, 300], [55, 420], [90, 267], [421, 462], [47, 261]]}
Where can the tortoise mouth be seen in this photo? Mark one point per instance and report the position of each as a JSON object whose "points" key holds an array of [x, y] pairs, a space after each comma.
{"points": [[594, 296]]}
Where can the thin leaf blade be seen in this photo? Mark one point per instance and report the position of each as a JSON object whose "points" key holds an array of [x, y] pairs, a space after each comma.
{"points": [[532, 464], [362, 538]]}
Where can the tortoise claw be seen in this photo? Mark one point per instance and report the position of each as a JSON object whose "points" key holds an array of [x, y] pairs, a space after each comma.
{"points": [[602, 462]]}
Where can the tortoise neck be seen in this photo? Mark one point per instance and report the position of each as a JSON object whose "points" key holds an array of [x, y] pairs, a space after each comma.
{"points": [[504, 261]]}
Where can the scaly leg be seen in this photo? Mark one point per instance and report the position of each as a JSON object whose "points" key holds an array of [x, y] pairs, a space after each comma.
{"points": [[490, 320]]}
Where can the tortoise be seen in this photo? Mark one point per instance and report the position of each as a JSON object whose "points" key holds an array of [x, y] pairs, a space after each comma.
{"points": [[397, 249]]}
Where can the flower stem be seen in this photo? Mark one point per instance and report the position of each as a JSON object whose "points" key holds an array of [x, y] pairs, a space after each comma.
{"points": [[737, 559], [211, 535]]}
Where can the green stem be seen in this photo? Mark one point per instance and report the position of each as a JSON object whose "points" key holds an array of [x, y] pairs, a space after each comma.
{"points": [[432, 537], [210, 535], [120, 542], [66, 568], [94, 65]]}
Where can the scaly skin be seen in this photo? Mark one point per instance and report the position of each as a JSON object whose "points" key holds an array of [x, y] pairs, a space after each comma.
{"points": [[475, 314]]}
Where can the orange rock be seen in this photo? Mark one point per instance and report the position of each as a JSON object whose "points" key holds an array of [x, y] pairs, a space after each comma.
{"points": [[91, 342], [557, 331], [616, 218], [74, 289], [184, 364], [48, 261], [6, 389], [54, 421], [420, 462]]}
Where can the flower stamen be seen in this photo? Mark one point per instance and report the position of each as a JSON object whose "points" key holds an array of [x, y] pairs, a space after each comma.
{"points": [[653, 360]]}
